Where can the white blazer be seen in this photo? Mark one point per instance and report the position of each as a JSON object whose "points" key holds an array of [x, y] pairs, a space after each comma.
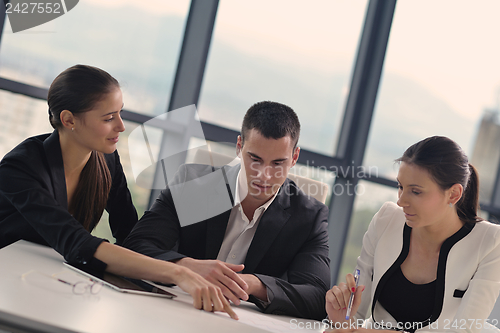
{"points": [[468, 274]]}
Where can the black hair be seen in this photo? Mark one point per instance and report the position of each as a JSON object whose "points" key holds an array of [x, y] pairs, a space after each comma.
{"points": [[78, 89], [272, 120], [448, 165]]}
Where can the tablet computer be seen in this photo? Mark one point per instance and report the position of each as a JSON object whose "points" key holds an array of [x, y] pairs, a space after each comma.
{"points": [[122, 284]]}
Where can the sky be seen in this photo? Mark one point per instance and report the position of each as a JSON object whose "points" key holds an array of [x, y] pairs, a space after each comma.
{"points": [[158, 7], [294, 29], [449, 46]]}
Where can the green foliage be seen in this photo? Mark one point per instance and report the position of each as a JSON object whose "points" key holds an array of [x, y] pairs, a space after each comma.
{"points": [[360, 220]]}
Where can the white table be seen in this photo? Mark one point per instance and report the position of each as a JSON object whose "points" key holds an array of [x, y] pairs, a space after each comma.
{"points": [[46, 305]]}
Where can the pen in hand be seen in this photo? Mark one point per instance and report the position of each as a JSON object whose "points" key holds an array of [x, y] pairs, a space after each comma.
{"points": [[351, 299]]}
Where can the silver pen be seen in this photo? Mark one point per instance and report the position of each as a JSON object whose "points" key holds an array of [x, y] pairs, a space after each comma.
{"points": [[351, 299]]}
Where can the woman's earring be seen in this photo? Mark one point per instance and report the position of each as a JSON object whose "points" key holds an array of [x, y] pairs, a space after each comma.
{"points": [[73, 129], [451, 205]]}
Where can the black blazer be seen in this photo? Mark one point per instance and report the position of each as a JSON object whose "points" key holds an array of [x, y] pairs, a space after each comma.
{"points": [[34, 204], [289, 252]]}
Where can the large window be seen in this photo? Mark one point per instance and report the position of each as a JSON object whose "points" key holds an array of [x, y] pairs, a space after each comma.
{"points": [[21, 117], [137, 42], [292, 52], [441, 77], [369, 199]]}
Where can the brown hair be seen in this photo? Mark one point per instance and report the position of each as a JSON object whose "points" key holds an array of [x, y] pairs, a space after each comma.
{"points": [[447, 164], [78, 89]]}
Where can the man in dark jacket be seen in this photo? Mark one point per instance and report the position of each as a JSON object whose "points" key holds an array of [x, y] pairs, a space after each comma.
{"points": [[270, 231]]}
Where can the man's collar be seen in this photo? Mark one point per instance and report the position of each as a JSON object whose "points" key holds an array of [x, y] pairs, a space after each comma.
{"points": [[242, 191]]}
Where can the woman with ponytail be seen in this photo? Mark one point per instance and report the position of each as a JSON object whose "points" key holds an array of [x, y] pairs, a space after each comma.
{"points": [[55, 187], [428, 263]]}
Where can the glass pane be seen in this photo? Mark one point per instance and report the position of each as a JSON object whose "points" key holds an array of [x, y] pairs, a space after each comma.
{"points": [[485, 154], [369, 199], [136, 42], [22, 117], [226, 150], [316, 173], [283, 51], [140, 194], [440, 78]]}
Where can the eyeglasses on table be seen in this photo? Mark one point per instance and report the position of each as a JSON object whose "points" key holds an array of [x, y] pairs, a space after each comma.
{"points": [[79, 288]]}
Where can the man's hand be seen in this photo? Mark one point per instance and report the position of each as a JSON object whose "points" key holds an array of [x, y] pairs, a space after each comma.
{"points": [[255, 286], [206, 296], [222, 275]]}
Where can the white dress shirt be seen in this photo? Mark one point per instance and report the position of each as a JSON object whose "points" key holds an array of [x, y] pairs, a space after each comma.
{"points": [[240, 231]]}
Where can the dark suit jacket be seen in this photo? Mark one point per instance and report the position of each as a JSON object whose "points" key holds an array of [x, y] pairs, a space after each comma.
{"points": [[34, 204], [289, 252]]}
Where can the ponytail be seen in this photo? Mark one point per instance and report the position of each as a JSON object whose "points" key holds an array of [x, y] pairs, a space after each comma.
{"points": [[78, 89], [468, 205], [92, 191]]}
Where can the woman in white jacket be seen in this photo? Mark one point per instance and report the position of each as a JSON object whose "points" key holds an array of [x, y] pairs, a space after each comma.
{"points": [[430, 264]]}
